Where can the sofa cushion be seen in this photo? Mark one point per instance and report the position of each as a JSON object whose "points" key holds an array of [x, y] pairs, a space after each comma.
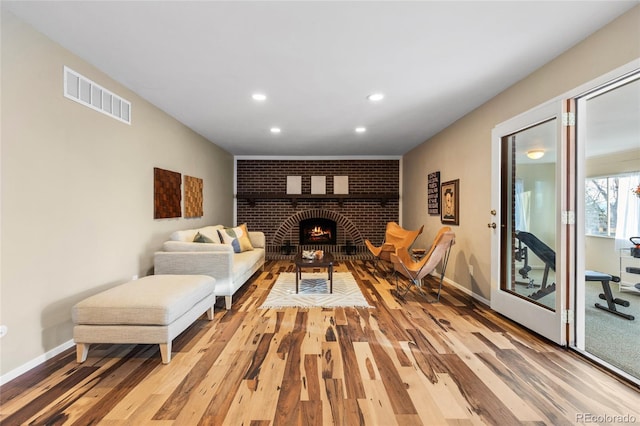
{"points": [[246, 262], [188, 235], [237, 237], [211, 232], [257, 239], [182, 246]]}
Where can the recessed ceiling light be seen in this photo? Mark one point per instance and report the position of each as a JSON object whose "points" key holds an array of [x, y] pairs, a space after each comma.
{"points": [[259, 97], [375, 97], [361, 129], [275, 130]]}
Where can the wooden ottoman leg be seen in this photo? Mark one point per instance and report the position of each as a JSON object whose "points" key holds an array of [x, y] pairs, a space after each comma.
{"points": [[165, 352], [82, 350], [210, 313]]}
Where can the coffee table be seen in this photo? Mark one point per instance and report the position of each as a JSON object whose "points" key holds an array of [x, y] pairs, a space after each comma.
{"points": [[325, 262]]}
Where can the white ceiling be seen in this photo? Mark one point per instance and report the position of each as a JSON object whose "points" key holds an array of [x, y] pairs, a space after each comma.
{"points": [[317, 61]]}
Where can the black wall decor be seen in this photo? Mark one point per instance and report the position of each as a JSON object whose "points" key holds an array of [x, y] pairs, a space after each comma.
{"points": [[433, 193]]}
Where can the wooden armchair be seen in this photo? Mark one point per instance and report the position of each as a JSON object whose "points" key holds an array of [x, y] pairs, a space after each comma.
{"points": [[395, 236], [415, 271]]}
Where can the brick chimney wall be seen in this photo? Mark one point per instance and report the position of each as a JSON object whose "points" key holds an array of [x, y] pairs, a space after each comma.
{"points": [[369, 217]]}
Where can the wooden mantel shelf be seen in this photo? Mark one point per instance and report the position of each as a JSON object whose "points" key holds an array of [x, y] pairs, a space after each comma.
{"points": [[253, 197]]}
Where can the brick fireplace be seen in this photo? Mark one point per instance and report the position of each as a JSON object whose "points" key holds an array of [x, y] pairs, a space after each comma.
{"points": [[263, 204]]}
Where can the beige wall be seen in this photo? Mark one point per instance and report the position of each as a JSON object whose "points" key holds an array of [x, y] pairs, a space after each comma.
{"points": [[463, 150], [539, 180], [77, 191]]}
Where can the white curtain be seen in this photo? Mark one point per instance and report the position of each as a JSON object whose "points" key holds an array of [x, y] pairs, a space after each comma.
{"points": [[628, 212], [522, 206]]}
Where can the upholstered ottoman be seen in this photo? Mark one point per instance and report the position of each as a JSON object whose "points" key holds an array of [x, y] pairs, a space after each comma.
{"points": [[153, 309]]}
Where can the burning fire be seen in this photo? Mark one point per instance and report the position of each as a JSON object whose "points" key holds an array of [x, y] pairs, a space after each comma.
{"points": [[319, 232]]}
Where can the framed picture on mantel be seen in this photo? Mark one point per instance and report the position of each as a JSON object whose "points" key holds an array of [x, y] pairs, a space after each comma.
{"points": [[294, 184], [341, 184]]}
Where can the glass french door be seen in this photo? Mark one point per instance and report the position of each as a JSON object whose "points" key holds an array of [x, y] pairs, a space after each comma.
{"points": [[529, 220], [608, 215]]}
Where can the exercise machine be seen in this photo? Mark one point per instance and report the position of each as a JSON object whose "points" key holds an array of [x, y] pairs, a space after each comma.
{"points": [[544, 253], [548, 256]]}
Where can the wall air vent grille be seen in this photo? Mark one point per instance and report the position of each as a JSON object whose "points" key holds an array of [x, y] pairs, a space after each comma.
{"points": [[80, 89]]}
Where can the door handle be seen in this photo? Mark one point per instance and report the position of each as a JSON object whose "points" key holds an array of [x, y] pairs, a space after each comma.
{"points": [[492, 225]]}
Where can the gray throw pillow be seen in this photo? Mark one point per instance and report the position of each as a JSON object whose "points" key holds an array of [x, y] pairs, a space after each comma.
{"points": [[199, 238]]}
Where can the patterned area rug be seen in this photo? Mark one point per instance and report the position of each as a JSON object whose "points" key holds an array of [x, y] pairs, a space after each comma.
{"points": [[314, 291]]}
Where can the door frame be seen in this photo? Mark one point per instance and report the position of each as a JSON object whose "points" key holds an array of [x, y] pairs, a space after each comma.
{"points": [[576, 301], [578, 339], [542, 320]]}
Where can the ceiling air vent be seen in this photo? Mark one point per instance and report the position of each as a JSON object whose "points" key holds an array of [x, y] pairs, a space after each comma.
{"points": [[88, 93]]}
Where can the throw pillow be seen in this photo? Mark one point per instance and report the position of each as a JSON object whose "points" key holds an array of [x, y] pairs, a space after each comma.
{"points": [[199, 238], [237, 237], [211, 232]]}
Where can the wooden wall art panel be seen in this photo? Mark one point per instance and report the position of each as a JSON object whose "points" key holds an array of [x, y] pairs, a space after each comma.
{"points": [[167, 193], [193, 197]]}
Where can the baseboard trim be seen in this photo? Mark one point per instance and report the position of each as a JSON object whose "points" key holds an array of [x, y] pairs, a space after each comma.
{"points": [[6, 378], [467, 291]]}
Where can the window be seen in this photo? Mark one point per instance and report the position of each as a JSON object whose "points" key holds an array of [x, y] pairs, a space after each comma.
{"points": [[601, 203]]}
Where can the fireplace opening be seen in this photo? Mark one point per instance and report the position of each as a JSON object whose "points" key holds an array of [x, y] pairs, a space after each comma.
{"points": [[317, 231]]}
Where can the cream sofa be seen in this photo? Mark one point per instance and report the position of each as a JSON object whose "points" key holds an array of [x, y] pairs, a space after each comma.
{"points": [[181, 255]]}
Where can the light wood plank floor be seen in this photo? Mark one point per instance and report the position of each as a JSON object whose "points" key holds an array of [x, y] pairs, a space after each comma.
{"points": [[403, 362]]}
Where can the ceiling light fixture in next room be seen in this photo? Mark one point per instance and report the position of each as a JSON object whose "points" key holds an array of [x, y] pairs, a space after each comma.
{"points": [[535, 154]]}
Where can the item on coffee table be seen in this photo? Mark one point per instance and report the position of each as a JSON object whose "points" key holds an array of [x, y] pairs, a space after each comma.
{"points": [[308, 254]]}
